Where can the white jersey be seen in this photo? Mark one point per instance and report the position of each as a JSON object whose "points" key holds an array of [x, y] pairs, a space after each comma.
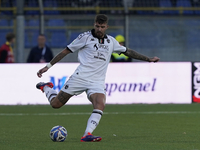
{"points": [[94, 55]]}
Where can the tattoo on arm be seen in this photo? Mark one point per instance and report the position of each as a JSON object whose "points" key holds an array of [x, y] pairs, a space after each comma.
{"points": [[60, 56], [136, 55]]}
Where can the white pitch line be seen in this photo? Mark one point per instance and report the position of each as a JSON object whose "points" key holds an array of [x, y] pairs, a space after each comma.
{"points": [[105, 113]]}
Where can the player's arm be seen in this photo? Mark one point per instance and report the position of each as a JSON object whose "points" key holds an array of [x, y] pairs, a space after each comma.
{"points": [[135, 55], [60, 56], [56, 59]]}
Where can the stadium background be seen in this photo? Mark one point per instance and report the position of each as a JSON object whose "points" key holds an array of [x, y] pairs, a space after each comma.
{"points": [[166, 28]]}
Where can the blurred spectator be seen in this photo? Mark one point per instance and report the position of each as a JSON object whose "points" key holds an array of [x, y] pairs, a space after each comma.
{"points": [[109, 3], [129, 2], [195, 3], [6, 51], [173, 2], [146, 3], [41, 53], [88, 3], [115, 57]]}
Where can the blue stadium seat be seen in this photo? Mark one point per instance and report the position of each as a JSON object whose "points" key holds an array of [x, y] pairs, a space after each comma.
{"points": [[184, 3], [146, 3], [11, 22], [34, 22], [4, 22], [56, 22], [108, 3], [167, 3], [31, 36], [192, 38], [32, 4], [114, 34], [58, 39], [2, 37], [35, 34], [6, 13], [26, 23], [8, 4], [73, 36], [27, 40], [144, 40], [51, 3], [197, 4]]}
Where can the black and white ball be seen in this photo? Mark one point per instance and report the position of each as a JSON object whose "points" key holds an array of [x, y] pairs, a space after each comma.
{"points": [[58, 134]]}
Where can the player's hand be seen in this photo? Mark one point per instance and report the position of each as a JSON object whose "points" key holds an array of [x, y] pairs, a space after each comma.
{"points": [[154, 59], [41, 71]]}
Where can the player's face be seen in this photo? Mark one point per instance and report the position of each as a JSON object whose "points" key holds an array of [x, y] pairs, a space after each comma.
{"points": [[100, 29], [41, 40]]}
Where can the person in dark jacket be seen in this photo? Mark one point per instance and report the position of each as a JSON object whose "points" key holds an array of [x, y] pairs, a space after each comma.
{"points": [[40, 53], [6, 51]]}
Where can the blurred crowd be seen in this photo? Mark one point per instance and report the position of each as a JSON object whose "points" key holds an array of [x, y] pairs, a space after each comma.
{"points": [[94, 3], [41, 53]]}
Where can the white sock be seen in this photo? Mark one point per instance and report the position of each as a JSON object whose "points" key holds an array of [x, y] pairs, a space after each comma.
{"points": [[93, 121], [50, 93]]}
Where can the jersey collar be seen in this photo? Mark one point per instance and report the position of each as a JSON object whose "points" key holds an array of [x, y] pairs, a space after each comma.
{"points": [[101, 41]]}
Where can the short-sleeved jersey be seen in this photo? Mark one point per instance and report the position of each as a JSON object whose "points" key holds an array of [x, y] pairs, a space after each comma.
{"points": [[94, 55]]}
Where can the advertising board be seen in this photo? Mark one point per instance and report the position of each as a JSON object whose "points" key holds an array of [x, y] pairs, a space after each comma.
{"points": [[126, 83]]}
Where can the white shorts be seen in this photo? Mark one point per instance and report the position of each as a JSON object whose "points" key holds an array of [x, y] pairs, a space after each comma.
{"points": [[76, 86]]}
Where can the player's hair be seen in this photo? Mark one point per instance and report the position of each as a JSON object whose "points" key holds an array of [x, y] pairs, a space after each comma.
{"points": [[101, 19], [10, 36]]}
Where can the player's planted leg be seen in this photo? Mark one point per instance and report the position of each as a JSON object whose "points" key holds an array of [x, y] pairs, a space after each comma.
{"points": [[98, 101]]}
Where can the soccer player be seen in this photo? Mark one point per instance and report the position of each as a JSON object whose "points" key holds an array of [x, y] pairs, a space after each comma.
{"points": [[95, 49]]}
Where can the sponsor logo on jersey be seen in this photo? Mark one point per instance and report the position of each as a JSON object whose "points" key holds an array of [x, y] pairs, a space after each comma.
{"points": [[101, 46], [100, 58], [108, 40], [92, 39], [95, 46], [100, 54], [66, 87]]}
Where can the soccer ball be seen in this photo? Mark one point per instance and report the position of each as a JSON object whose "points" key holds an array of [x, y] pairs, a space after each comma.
{"points": [[58, 134]]}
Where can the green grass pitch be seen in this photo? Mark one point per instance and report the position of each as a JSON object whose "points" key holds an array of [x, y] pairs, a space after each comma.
{"points": [[122, 127]]}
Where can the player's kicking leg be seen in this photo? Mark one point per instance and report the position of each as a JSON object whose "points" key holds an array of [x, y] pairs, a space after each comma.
{"points": [[56, 100], [98, 101]]}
